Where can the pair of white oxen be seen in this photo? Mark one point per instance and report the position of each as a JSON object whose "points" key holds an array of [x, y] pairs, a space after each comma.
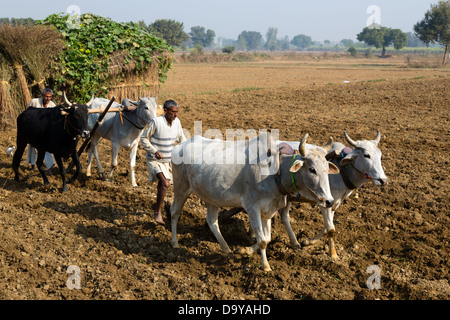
{"points": [[255, 175]]}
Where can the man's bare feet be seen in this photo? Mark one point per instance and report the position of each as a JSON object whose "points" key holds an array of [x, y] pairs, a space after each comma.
{"points": [[158, 218]]}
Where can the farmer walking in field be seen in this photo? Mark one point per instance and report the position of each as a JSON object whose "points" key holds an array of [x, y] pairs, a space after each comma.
{"points": [[158, 140], [45, 101]]}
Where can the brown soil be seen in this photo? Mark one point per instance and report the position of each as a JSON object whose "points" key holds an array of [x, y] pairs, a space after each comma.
{"points": [[106, 228]]}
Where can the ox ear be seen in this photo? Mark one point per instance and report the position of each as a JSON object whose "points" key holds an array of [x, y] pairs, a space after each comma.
{"points": [[296, 166], [332, 168], [64, 113], [349, 159]]}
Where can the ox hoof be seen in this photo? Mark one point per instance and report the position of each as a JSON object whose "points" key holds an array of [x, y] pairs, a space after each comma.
{"points": [[267, 268], [246, 250], [175, 245], [306, 243]]}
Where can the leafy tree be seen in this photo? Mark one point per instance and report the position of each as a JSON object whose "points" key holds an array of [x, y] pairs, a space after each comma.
{"points": [[250, 40], [347, 42], [271, 39], [352, 51], [301, 41], [229, 49], [382, 37], [202, 37], [284, 43], [435, 27], [170, 30]]}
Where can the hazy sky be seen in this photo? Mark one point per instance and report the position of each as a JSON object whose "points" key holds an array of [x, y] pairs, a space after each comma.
{"points": [[321, 19]]}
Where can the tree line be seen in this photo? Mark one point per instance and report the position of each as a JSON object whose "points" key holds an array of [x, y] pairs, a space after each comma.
{"points": [[433, 29]]}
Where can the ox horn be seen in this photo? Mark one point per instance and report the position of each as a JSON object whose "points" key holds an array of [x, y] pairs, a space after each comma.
{"points": [[327, 146], [350, 141], [377, 139], [66, 100], [90, 101], [302, 145]]}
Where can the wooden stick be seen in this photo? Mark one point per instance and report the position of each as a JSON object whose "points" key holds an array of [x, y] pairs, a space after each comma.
{"points": [[97, 124]]}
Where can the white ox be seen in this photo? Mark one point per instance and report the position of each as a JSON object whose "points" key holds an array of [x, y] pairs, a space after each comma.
{"points": [[247, 184], [122, 129], [361, 165]]}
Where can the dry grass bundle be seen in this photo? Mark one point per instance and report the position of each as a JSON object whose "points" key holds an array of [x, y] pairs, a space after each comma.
{"points": [[134, 84], [29, 51], [6, 107]]}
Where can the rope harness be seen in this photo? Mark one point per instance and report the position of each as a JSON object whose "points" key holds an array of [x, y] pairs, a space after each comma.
{"points": [[67, 122]]}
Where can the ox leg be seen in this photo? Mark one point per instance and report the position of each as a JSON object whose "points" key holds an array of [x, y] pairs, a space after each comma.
{"points": [[332, 247], [17, 158], [262, 229], [89, 163], [77, 163], [94, 152], [328, 229], [267, 231], [133, 152], [62, 172], [328, 216], [284, 212], [181, 193], [212, 217], [114, 155], [40, 165], [313, 240]]}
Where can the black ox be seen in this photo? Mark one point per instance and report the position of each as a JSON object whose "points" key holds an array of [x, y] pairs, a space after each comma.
{"points": [[54, 130]]}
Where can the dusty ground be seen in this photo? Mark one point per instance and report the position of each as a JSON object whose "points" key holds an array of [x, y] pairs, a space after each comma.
{"points": [[106, 227]]}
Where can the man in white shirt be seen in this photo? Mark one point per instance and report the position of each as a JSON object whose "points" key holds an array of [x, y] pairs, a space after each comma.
{"points": [[158, 140], [43, 102]]}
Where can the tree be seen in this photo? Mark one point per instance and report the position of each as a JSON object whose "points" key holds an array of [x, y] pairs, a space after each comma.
{"points": [[170, 30], [435, 27], [382, 37], [347, 42], [399, 38], [352, 51], [301, 41], [202, 37], [414, 41], [250, 40], [271, 39]]}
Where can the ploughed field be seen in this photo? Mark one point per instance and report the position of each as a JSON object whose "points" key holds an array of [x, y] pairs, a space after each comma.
{"points": [[106, 228]]}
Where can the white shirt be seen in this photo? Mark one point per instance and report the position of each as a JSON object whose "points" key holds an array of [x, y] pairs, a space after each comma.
{"points": [[39, 103], [160, 136]]}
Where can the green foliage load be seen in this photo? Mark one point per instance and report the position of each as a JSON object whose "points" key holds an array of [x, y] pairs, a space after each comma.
{"points": [[83, 67]]}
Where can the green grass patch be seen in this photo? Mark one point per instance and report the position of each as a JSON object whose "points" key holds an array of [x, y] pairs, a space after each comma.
{"points": [[247, 89]]}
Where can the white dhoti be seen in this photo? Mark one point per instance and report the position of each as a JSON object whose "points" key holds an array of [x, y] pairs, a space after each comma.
{"points": [[155, 167], [31, 158]]}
